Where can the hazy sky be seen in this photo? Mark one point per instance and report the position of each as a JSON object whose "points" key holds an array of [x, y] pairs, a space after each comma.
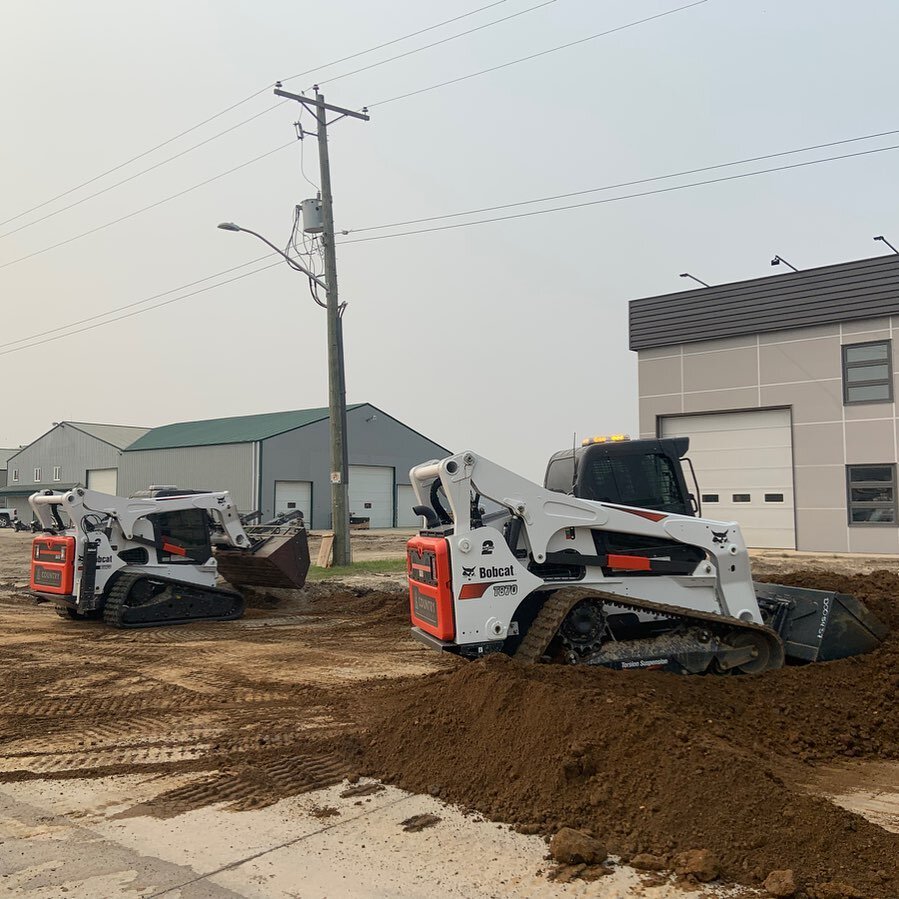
{"points": [[504, 338]]}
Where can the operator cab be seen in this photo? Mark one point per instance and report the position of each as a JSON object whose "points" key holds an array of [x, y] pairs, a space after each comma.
{"points": [[646, 474]]}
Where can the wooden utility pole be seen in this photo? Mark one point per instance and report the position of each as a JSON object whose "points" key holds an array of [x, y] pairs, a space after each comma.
{"points": [[340, 504]]}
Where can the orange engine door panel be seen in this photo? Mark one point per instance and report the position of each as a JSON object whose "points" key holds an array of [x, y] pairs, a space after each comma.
{"points": [[430, 586], [53, 565]]}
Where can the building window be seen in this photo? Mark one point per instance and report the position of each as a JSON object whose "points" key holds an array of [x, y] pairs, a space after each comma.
{"points": [[37, 476], [872, 494], [741, 498], [774, 497], [57, 473], [867, 373], [15, 474], [710, 497]]}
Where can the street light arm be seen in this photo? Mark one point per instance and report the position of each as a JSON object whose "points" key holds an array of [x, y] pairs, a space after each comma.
{"points": [[291, 262]]}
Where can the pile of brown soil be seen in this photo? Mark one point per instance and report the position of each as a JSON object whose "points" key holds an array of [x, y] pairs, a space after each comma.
{"points": [[331, 600], [650, 762]]}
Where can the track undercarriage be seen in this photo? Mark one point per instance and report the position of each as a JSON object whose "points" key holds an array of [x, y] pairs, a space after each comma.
{"points": [[138, 600], [579, 626]]}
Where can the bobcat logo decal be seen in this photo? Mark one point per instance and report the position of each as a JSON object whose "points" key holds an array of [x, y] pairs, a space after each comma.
{"points": [[468, 572], [719, 537]]}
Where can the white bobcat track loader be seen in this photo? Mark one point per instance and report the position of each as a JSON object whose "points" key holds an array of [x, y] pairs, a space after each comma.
{"points": [[148, 560], [555, 576]]}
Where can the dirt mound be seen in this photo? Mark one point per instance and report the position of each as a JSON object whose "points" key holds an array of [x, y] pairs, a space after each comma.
{"points": [[879, 590], [351, 602], [649, 762], [335, 600]]}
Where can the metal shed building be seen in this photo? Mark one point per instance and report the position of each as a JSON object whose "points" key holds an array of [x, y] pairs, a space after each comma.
{"points": [[278, 461], [71, 453], [5, 454]]}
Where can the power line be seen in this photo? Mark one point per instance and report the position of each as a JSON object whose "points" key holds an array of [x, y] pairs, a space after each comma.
{"points": [[143, 171], [155, 296], [110, 321], [413, 93], [130, 215], [122, 165], [620, 184], [233, 106], [445, 40], [514, 62], [403, 96], [42, 337], [396, 40], [646, 193]]}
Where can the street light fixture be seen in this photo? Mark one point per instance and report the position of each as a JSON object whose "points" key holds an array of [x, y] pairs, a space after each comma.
{"points": [[880, 237], [340, 522], [697, 280], [230, 226], [778, 259]]}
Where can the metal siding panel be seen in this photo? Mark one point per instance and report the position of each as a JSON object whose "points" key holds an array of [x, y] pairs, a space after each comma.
{"points": [[20, 504], [298, 455], [228, 467], [70, 449], [855, 290], [373, 438]]}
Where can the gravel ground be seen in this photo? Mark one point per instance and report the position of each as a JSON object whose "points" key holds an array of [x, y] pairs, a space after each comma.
{"points": [[202, 760]]}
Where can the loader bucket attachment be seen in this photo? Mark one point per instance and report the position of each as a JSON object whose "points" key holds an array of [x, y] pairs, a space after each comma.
{"points": [[819, 625], [281, 560]]}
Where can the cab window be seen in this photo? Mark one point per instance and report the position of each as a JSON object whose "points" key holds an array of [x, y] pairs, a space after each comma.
{"points": [[560, 475], [647, 481]]}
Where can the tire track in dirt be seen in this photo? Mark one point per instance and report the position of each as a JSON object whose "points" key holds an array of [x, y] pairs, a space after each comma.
{"points": [[119, 758], [254, 783], [247, 711]]}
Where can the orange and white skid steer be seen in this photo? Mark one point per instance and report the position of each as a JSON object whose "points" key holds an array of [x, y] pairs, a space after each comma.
{"points": [[554, 576], [148, 560]]}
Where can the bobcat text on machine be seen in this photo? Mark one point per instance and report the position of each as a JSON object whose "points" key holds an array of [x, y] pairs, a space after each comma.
{"points": [[148, 559], [578, 572]]}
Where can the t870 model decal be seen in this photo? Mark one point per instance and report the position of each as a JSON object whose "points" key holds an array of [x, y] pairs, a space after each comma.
{"points": [[500, 588]]}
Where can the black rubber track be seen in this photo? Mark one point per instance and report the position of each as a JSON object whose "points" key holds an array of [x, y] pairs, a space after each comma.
{"points": [[116, 607], [551, 615]]}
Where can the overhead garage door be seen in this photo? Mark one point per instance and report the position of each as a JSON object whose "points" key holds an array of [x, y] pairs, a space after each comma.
{"points": [[103, 480], [405, 500], [371, 494], [744, 465], [293, 495]]}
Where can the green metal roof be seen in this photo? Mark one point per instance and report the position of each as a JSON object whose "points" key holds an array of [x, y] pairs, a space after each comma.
{"points": [[242, 429]]}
